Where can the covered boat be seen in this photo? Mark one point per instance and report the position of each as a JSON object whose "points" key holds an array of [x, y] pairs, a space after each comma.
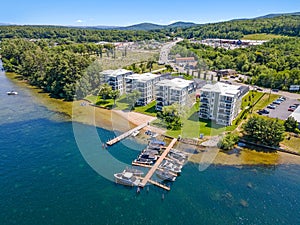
{"points": [[126, 178], [165, 175]]}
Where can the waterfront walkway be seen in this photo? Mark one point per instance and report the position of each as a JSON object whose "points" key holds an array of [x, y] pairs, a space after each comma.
{"points": [[146, 179]]}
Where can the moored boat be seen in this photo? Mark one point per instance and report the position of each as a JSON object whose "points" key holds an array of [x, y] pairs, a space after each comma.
{"points": [[126, 178], [11, 93], [170, 166], [135, 172], [165, 175], [176, 158], [144, 161], [135, 133]]}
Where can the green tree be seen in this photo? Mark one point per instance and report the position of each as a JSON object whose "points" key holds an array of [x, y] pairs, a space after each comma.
{"points": [[105, 91], [114, 94], [172, 115], [291, 124], [228, 142], [132, 98], [265, 131]]}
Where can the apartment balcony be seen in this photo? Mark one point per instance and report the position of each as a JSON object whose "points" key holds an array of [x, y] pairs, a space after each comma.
{"points": [[204, 100], [203, 115], [227, 101], [204, 110], [175, 98], [225, 106], [204, 96], [225, 112], [220, 117], [206, 106], [161, 94], [159, 99]]}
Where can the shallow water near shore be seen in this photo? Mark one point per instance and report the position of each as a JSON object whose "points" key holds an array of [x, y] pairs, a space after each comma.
{"points": [[45, 179]]}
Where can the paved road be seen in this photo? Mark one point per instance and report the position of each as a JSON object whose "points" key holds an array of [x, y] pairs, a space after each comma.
{"points": [[165, 50]]}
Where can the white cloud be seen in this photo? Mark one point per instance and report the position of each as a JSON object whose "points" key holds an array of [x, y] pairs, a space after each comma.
{"points": [[79, 21]]}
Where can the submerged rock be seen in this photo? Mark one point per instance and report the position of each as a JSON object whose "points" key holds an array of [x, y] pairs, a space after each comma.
{"points": [[244, 203], [250, 185]]}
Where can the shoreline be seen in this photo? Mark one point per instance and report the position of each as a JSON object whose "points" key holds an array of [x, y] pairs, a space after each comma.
{"points": [[116, 120]]}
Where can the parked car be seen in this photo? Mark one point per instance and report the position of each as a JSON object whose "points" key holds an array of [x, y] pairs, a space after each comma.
{"points": [[282, 98], [291, 109], [271, 106], [259, 89], [263, 111], [275, 90], [276, 102]]}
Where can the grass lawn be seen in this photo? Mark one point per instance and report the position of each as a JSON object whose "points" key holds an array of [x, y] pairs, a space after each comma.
{"points": [[155, 66], [292, 144], [265, 101], [121, 103], [246, 102], [251, 98], [262, 36], [193, 126], [147, 109]]}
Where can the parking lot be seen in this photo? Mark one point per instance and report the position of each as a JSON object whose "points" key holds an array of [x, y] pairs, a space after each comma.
{"points": [[281, 111]]}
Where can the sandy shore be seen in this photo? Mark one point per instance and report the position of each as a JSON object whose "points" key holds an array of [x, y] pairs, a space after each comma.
{"points": [[243, 157], [123, 121]]}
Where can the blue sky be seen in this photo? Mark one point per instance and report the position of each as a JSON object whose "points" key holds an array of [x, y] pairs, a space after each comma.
{"points": [[128, 12]]}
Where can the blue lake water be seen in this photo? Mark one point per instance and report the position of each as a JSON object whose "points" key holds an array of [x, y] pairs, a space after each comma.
{"points": [[46, 179]]}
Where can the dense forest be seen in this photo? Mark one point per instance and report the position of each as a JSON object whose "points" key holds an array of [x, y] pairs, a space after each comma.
{"points": [[274, 64], [55, 69], [288, 25], [77, 35]]}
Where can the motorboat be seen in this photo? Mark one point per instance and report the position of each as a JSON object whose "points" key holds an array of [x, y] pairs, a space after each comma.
{"points": [[151, 151], [176, 158], [11, 93], [165, 175], [175, 163], [170, 166], [144, 161], [148, 156], [135, 172], [126, 178], [178, 153], [135, 133]]}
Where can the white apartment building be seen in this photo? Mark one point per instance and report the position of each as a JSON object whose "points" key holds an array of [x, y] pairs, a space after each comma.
{"points": [[172, 91], [220, 102], [144, 83], [116, 79]]}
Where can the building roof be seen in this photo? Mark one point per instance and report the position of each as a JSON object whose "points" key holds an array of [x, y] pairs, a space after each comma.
{"points": [[176, 83], [222, 88], [143, 77], [296, 114], [115, 73]]}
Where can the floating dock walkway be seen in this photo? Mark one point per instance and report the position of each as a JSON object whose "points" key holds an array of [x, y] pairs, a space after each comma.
{"points": [[146, 179], [126, 134]]}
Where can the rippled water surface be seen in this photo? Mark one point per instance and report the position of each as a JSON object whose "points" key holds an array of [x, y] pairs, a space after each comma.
{"points": [[45, 179]]}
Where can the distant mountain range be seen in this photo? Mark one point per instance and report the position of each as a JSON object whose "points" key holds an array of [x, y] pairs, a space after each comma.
{"points": [[152, 26], [143, 26], [278, 14]]}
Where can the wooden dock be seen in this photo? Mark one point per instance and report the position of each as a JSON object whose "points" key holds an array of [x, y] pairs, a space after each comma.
{"points": [[159, 185], [126, 134], [146, 179]]}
